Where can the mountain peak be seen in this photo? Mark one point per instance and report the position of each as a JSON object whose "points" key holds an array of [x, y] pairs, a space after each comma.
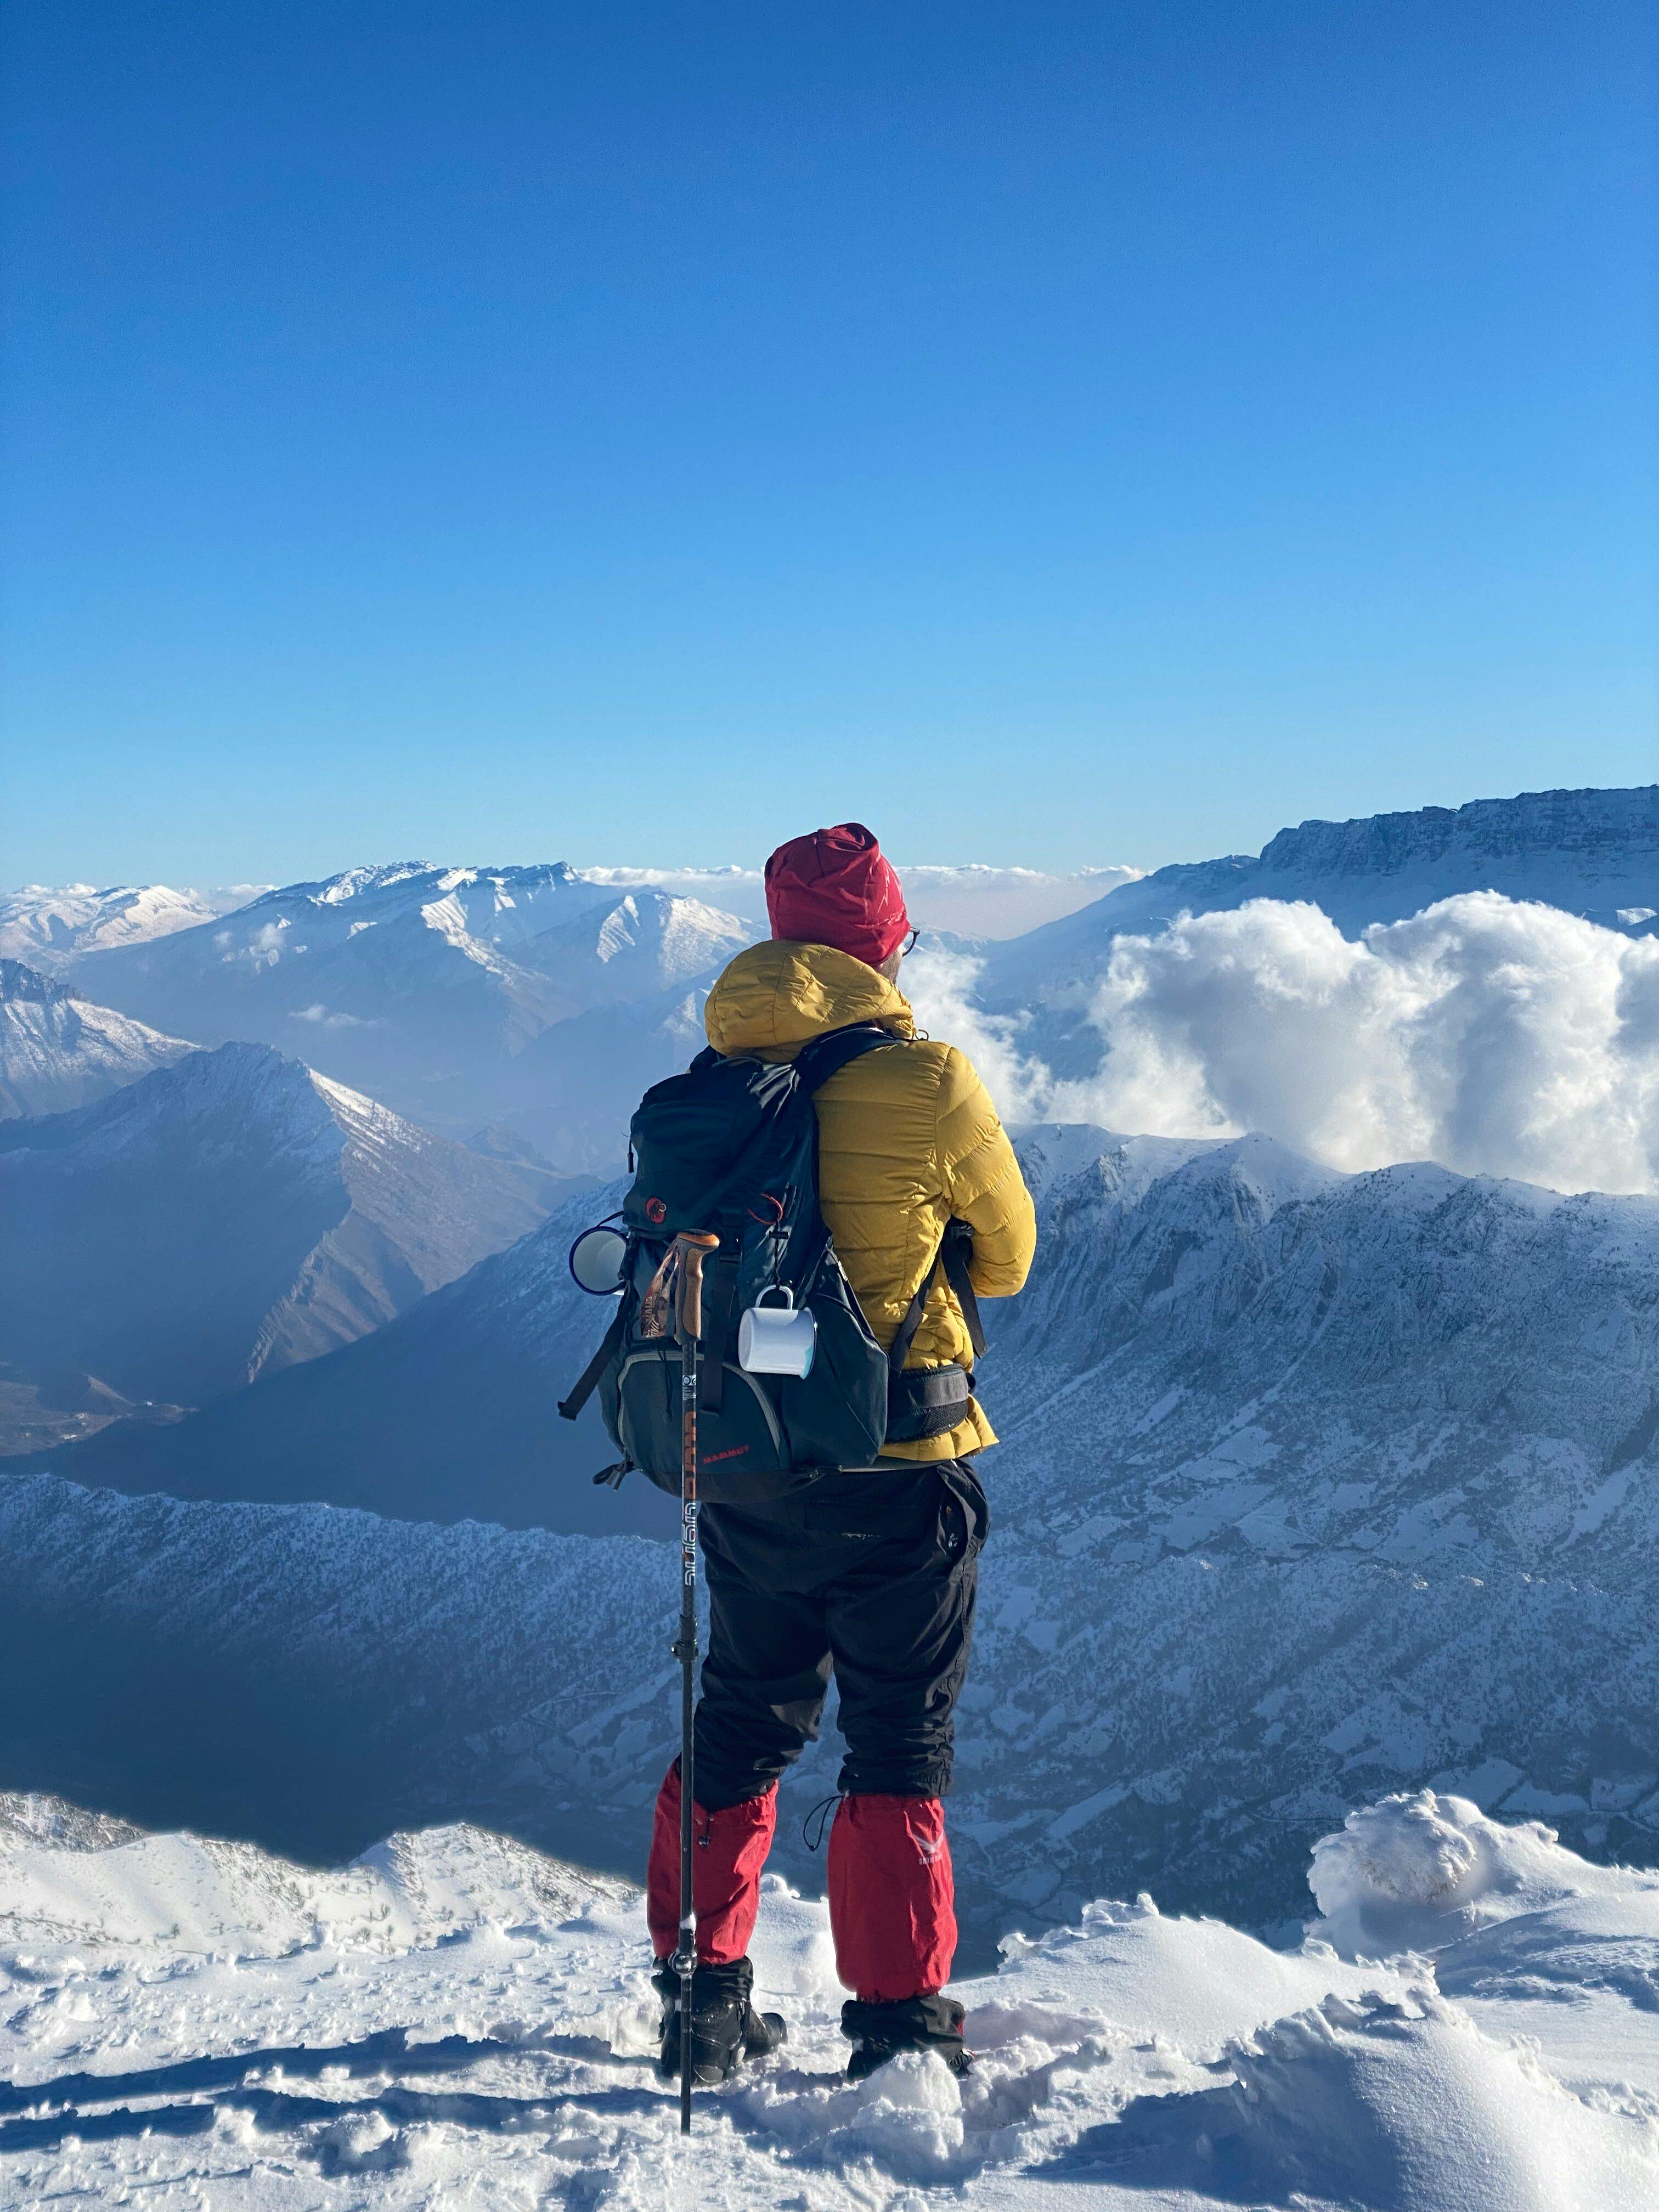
{"points": [[349, 883], [246, 1091], [20, 984]]}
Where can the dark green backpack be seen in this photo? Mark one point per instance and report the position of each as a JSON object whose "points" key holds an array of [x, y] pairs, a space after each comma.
{"points": [[731, 1146]]}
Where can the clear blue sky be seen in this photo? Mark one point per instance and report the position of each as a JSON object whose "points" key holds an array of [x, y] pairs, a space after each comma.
{"points": [[1050, 433]]}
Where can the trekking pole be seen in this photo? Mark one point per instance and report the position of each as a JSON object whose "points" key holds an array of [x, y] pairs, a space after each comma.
{"points": [[690, 1247]]}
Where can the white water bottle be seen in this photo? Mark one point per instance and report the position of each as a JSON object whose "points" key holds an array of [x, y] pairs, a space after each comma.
{"points": [[777, 1340]]}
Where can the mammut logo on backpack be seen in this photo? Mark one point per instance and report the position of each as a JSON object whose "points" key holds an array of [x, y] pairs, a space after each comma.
{"points": [[656, 1209]]}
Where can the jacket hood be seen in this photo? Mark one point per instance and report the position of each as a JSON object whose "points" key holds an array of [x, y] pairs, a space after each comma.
{"points": [[776, 997]]}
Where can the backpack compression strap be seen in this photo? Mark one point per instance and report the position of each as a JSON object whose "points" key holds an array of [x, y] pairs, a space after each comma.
{"points": [[570, 1406]]}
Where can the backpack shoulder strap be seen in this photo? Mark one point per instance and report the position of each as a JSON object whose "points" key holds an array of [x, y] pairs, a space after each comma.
{"points": [[952, 1255], [826, 1055]]}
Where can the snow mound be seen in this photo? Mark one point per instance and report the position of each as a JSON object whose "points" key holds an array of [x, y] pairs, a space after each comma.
{"points": [[1407, 2105], [1418, 1869], [196, 1894], [1198, 1982], [453, 2017]]}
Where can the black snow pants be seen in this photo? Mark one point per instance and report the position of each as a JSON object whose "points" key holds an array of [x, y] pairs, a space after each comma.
{"points": [[869, 1573]]}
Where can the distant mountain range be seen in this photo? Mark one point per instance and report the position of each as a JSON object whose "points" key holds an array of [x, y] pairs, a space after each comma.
{"points": [[1592, 853], [58, 1050], [1313, 1487], [545, 999], [419, 986], [49, 925], [230, 1214]]}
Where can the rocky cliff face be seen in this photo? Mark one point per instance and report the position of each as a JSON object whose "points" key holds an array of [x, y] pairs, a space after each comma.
{"points": [[1587, 833]]}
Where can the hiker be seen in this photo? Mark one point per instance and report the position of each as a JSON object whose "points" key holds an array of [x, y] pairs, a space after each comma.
{"points": [[868, 1570]]}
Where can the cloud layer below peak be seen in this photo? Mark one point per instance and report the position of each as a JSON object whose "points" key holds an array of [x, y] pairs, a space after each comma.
{"points": [[1497, 1037]]}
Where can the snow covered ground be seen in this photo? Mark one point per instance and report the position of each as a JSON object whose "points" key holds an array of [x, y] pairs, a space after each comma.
{"points": [[1471, 2025]]}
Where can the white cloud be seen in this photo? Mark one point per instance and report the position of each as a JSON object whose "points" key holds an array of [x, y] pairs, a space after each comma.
{"points": [[968, 901], [998, 903], [1497, 1037], [326, 1018], [263, 949], [939, 986]]}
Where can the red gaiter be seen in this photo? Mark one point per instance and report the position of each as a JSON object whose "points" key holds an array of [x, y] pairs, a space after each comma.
{"points": [[892, 1907], [728, 1851]]}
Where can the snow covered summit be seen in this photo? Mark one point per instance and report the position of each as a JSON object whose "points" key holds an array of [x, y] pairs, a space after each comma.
{"points": [[452, 2018], [50, 926]]}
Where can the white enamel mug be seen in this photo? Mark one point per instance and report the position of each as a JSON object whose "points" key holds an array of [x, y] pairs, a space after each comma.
{"points": [[776, 1339]]}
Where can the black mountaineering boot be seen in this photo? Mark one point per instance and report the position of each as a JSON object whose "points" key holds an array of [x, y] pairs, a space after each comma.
{"points": [[725, 2029], [879, 2031]]}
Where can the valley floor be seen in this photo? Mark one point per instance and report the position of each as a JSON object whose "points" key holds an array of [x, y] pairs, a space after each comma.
{"points": [[1472, 2025]]}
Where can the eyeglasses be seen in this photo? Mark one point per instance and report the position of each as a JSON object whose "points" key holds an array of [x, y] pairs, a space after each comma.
{"points": [[910, 943]]}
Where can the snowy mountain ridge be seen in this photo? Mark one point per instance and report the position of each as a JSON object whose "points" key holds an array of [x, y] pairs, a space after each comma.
{"points": [[1312, 1484], [231, 1213], [52, 925], [1601, 833], [421, 986], [58, 1050]]}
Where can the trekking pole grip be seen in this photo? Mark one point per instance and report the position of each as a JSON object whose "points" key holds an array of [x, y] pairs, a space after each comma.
{"points": [[692, 1245]]}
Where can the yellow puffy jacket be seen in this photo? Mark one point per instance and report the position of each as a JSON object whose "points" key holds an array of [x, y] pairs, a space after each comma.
{"points": [[906, 1140]]}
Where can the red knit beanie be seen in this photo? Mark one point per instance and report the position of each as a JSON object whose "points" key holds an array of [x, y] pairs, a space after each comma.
{"points": [[835, 888]]}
